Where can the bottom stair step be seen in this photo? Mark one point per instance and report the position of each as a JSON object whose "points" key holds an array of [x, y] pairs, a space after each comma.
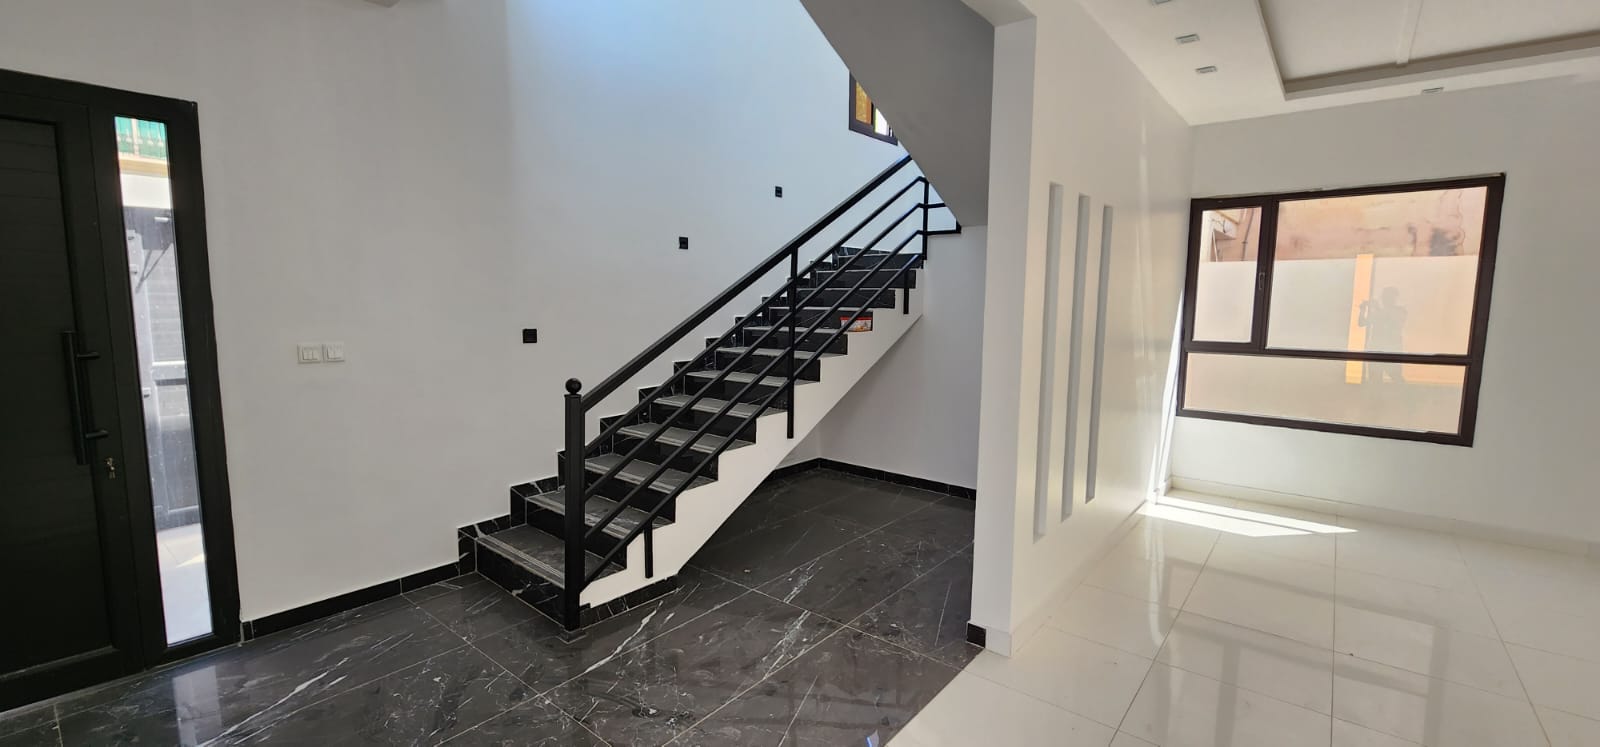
{"points": [[596, 509], [540, 552]]}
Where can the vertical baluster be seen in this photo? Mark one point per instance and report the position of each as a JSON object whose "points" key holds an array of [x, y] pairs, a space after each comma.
{"points": [[794, 271], [574, 524]]}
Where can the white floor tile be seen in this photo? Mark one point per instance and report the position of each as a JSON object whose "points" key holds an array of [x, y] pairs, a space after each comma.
{"points": [[1176, 708], [1306, 548], [1426, 648], [1116, 620], [1270, 665], [1270, 606], [1346, 734], [1156, 539], [974, 711], [1567, 730], [1297, 574], [1547, 630], [1407, 555], [1560, 682], [1505, 590], [1427, 710], [1166, 582], [1087, 678], [1124, 739], [1482, 556], [1461, 610]]}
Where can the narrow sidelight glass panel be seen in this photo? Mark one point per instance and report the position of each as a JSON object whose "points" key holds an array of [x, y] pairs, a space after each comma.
{"points": [[1423, 398], [1225, 281], [1389, 273], [163, 375]]}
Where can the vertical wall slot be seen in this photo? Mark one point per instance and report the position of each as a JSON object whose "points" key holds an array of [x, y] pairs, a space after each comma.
{"points": [[1097, 377], [1047, 363], [1080, 262]]}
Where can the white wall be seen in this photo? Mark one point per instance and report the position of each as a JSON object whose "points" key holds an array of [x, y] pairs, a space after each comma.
{"points": [[1070, 108], [916, 412], [1530, 468], [421, 182]]}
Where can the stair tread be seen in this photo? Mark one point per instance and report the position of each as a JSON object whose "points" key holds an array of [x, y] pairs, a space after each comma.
{"points": [[763, 328], [775, 352], [745, 377], [676, 437], [819, 308], [638, 470], [714, 405], [540, 552], [596, 509]]}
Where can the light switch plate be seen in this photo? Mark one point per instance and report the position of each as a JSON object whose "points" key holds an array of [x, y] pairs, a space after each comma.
{"points": [[333, 352], [310, 353]]}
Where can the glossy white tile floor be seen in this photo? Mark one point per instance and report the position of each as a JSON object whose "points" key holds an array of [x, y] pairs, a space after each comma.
{"points": [[1222, 623]]}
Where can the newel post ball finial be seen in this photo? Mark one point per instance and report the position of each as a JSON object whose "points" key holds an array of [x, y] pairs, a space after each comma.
{"points": [[574, 386]]}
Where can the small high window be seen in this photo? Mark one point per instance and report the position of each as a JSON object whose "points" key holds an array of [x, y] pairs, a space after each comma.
{"points": [[865, 117], [1357, 311]]}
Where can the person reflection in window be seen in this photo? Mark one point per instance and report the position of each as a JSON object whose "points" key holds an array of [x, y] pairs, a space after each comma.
{"points": [[1384, 319]]}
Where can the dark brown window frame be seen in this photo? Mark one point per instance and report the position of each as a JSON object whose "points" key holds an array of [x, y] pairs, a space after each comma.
{"points": [[1471, 361], [868, 130]]}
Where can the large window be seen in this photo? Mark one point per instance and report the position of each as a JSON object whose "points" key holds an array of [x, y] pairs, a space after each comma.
{"points": [[865, 117], [1353, 311]]}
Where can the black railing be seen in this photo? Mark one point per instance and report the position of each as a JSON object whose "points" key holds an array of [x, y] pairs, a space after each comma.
{"points": [[579, 488]]}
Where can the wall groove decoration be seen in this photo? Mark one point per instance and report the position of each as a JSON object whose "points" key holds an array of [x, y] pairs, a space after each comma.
{"points": [[1047, 368], [1098, 375], [1080, 265]]}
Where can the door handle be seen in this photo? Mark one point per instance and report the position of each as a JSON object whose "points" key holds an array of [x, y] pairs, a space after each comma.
{"points": [[82, 432]]}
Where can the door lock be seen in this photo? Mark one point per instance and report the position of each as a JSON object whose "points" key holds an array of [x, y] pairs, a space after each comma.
{"points": [[111, 468]]}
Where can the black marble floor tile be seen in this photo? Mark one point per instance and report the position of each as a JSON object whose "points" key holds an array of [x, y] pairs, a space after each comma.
{"points": [[848, 581], [26, 719], [929, 616], [849, 689], [750, 516], [807, 491], [877, 504], [442, 587], [249, 686], [537, 652], [535, 723], [648, 695], [478, 609], [945, 520], [426, 703], [771, 551], [38, 735]]}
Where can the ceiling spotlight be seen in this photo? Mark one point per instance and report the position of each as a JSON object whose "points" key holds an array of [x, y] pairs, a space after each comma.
{"points": [[1188, 38], [1207, 70], [1435, 89]]}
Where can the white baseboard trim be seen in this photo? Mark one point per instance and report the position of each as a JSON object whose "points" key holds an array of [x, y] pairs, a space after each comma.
{"points": [[1346, 510], [1023, 632]]}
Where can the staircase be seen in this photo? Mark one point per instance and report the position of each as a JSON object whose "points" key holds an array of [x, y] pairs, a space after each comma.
{"points": [[631, 505]]}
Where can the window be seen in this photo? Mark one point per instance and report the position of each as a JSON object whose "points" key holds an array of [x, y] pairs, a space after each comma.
{"points": [[1357, 311], [865, 117]]}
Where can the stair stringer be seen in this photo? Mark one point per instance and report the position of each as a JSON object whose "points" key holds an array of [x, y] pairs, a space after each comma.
{"points": [[702, 510]]}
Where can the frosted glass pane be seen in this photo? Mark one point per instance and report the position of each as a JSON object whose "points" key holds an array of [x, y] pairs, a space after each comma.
{"points": [[1410, 397], [1392, 273], [1226, 274]]}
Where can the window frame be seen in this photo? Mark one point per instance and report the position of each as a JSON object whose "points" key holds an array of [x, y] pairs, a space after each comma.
{"points": [[1266, 253], [867, 129]]}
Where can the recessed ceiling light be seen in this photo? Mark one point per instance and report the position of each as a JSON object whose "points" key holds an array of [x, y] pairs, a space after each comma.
{"points": [[1435, 89], [1207, 70], [1188, 38]]}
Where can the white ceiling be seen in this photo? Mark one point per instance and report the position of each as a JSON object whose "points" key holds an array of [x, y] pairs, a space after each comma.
{"points": [[1276, 56]]}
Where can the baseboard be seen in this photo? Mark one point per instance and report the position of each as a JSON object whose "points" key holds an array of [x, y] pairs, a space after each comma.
{"points": [[873, 473], [1346, 510], [251, 629]]}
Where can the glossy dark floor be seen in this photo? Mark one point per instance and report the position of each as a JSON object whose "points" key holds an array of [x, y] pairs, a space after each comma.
{"points": [[829, 608]]}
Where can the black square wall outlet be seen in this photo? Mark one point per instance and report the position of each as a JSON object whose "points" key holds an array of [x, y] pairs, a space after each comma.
{"points": [[530, 335], [683, 242], [777, 191]]}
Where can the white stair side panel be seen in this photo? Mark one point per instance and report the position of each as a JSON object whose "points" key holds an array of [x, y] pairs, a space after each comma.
{"points": [[702, 510]]}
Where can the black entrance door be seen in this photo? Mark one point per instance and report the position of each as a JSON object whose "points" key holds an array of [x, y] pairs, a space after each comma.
{"points": [[72, 612]]}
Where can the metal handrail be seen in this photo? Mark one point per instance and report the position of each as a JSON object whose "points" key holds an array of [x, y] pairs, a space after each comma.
{"points": [[665, 386], [661, 469], [593, 488], [661, 505], [661, 346]]}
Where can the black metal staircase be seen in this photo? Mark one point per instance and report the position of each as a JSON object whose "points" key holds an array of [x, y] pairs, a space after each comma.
{"points": [[624, 483]]}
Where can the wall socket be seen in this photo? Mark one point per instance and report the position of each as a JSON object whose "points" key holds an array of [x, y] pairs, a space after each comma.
{"points": [[683, 243], [777, 191]]}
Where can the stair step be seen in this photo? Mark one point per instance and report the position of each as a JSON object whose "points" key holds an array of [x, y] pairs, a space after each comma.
{"points": [[596, 509], [713, 405], [638, 469], [743, 377], [841, 309], [776, 352], [799, 328], [540, 552], [676, 437]]}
